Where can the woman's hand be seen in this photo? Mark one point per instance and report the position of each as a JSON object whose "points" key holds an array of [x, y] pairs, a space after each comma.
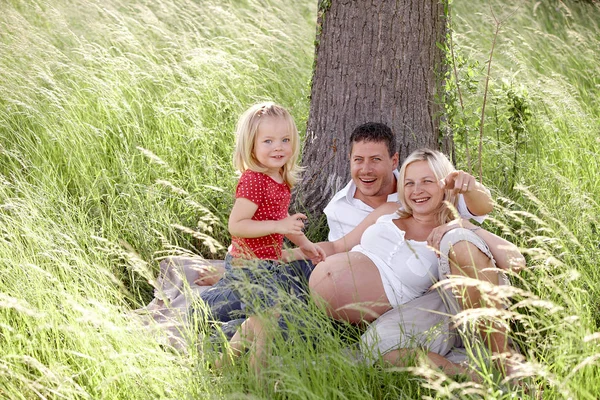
{"points": [[436, 235], [459, 182], [477, 197]]}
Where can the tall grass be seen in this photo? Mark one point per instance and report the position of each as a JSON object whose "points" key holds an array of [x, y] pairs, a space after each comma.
{"points": [[105, 109], [541, 155], [116, 133], [99, 102]]}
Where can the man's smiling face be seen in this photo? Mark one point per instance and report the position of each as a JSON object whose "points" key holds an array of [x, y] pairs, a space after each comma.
{"points": [[371, 167]]}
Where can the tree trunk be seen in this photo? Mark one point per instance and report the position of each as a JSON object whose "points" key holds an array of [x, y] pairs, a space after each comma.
{"points": [[375, 61]]}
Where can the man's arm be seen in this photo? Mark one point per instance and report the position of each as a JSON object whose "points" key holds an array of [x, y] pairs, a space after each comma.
{"points": [[347, 242], [308, 250]]}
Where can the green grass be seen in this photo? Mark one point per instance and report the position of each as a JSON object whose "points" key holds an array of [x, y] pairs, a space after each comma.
{"points": [[116, 134], [546, 57]]}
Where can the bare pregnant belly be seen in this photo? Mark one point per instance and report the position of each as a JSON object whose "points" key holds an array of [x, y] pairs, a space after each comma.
{"points": [[348, 286]]}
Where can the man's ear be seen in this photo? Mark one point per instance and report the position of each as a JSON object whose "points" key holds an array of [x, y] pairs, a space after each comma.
{"points": [[395, 159]]}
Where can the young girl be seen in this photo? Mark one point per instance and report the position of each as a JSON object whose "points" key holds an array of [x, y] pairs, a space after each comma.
{"points": [[266, 154]]}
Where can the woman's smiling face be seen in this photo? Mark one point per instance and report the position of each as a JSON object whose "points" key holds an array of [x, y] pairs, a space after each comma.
{"points": [[422, 191]]}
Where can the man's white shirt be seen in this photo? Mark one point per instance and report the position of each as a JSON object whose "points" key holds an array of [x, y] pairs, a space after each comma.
{"points": [[344, 212]]}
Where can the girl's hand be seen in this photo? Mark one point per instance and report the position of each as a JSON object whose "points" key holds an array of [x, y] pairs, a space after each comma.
{"points": [[314, 253], [459, 182], [292, 225]]}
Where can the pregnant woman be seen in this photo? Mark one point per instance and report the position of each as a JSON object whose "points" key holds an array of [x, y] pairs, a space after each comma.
{"points": [[383, 270]]}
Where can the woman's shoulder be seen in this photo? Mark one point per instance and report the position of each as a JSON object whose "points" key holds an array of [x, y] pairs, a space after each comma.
{"points": [[387, 208], [390, 212]]}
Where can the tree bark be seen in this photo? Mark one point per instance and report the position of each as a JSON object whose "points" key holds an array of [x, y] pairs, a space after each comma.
{"points": [[375, 61]]}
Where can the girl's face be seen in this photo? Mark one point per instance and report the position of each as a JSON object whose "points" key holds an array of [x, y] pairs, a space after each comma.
{"points": [[421, 188], [273, 144]]}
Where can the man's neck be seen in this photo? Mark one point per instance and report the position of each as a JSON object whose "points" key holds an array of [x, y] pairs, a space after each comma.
{"points": [[376, 201], [371, 201]]}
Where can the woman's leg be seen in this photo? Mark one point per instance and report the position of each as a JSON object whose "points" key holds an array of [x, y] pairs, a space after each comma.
{"points": [[467, 260], [419, 327], [348, 287], [401, 358]]}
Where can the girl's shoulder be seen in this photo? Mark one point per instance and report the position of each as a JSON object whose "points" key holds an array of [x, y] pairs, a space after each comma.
{"points": [[250, 183], [251, 173], [258, 176], [249, 176]]}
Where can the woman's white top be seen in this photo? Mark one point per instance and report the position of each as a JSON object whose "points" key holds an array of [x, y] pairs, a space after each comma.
{"points": [[408, 268]]}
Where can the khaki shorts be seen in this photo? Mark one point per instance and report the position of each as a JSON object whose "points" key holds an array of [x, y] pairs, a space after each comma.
{"points": [[425, 322]]}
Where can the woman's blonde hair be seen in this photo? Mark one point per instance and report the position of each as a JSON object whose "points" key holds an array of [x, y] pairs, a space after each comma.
{"points": [[247, 128], [441, 167]]}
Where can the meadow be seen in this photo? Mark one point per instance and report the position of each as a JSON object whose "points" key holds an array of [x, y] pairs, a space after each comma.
{"points": [[116, 135]]}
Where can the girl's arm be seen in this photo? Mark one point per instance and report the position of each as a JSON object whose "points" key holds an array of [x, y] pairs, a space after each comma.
{"points": [[242, 225], [307, 250]]}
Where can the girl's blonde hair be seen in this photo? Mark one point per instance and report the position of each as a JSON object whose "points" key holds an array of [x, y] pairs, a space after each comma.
{"points": [[247, 128], [441, 167]]}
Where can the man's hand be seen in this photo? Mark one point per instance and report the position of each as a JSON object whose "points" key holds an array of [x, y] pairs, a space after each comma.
{"points": [[292, 225]]}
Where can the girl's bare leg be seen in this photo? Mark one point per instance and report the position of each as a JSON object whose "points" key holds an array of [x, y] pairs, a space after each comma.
{"points": [[211, 273], [251, 335]]}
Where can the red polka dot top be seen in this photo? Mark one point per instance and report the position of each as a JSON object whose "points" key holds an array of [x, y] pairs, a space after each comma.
{"points": [[273, 200]]}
